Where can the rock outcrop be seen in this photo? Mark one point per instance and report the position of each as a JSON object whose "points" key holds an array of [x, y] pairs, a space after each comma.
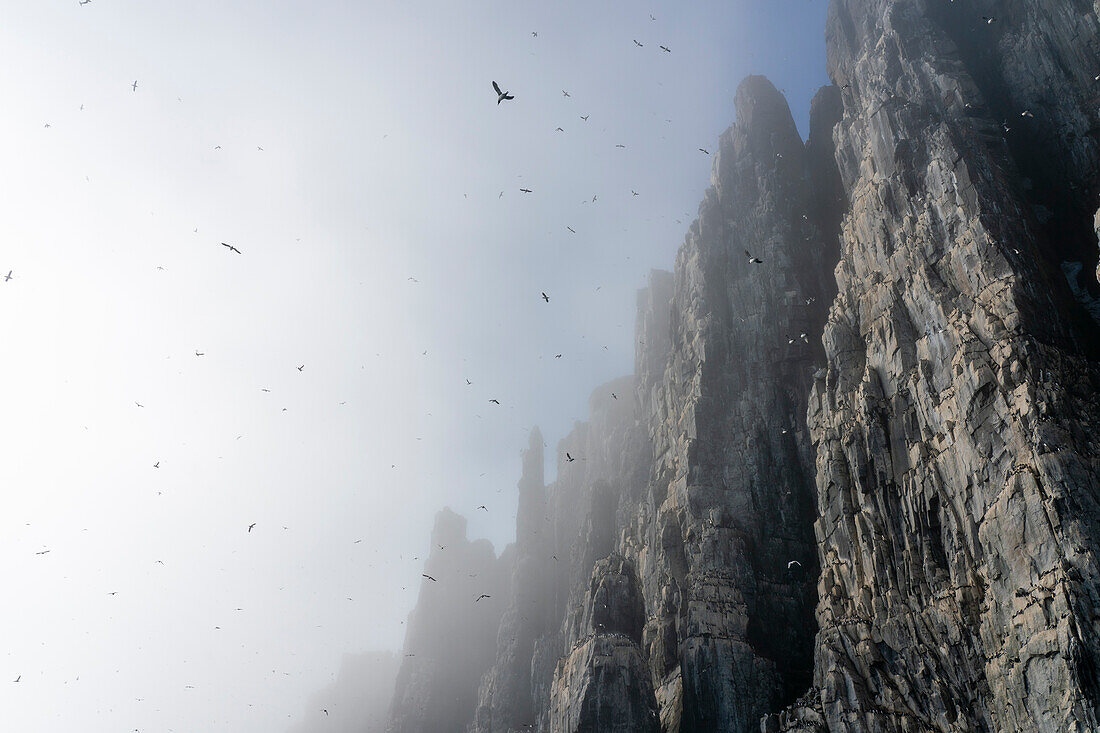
{"points": [[855, 486], [451, 637]]}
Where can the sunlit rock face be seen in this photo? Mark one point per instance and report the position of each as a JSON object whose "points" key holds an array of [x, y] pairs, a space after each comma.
{"points": [[451, 637], [855, 486], [956, 423]]}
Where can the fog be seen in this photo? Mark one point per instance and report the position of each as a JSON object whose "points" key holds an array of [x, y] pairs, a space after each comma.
{"points": [[221, 469]]}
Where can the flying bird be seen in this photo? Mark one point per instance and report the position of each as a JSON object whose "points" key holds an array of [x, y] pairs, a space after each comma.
{"points": [[231, 248], [21, 676], [1026, 113], [559, 130], [557, 356], [251, 526], [569, 458], [468, 382], [639, 45], [300, 368], [753, 260], [632, 191], [792, 563], [156, 465], [525, 190], [535, 34], [989, 19], [135, 85], [564, 93], [666, 49], [138, 404], [585, 118], [43, 552], [706, 152], [199, 353], [483, 595], [482, 507], [501, 96], [572, 229], [8, 276], [428, 577], [614, 396], [620, 146], [546, 297], [495, 402]]}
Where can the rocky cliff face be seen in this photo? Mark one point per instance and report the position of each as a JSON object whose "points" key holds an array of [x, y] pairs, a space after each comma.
{"points": [[855, 486], [451, 637]]}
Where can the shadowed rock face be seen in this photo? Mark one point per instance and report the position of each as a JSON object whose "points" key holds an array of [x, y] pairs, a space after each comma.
{"points": [[957, 467], [451, 635], [855, 487]]}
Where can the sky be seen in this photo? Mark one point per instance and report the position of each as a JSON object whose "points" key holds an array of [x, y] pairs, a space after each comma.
{"points": [[220, 470]]}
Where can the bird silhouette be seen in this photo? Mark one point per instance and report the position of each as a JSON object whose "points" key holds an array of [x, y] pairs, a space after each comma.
{"points": [[501, 96], [569, 458], [231, 248], [546, 297], [753, 260], [483, 595], [156, 465], [8, 276], [495, 402], [639, 45], [135, 85], [585, 118], [251, 526], [666, 49], [525, 190], [572, 229], [792, 563], [428, 577], [482, 507], [564, 93], [300, 368], [707, 152]]}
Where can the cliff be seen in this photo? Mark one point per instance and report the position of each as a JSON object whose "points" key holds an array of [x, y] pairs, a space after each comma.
{"points": [[852, 486]]}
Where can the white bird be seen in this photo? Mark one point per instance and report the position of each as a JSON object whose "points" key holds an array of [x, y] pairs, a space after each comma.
{"points": [[753, 260], [792, 563]]}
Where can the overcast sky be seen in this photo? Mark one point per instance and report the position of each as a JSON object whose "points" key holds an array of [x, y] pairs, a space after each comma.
{"points": [[354, 153]]}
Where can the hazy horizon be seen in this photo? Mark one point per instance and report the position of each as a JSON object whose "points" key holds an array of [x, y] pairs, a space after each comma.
{"points": [[356, 156]]}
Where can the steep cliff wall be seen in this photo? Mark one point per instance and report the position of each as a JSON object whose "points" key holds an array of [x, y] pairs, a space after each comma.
{"points": [[855, 486], [957, 463], [451, 635]]}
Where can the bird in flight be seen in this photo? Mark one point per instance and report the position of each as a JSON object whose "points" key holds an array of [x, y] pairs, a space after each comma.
{"points": [[559, 130], [564, 93], [585, 118], [1026, 113], [324, 711], [468, 382], [134, 85], [428, 577], [138, 404], [569, 458], [259, 148], [199, 353], [706, 152], [85, 2], [251, 526], [47, 124], [495, 402], [501, 96], [557, 356], [614, 396], [792, 563], [633, 192], [989, 19], [300, 368], [8, 276], [546, 297], [753, 260], [156, 465], [572, 229], [483, 595], [231, 248], [482, 507], [639, 45], [525, 190], [534, 34], [666, 49], [21, 676], [217, 147], [43, 552], [620, 146]]}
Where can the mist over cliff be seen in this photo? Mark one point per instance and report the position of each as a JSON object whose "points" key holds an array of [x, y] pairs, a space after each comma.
{"points": [[853, 482]]}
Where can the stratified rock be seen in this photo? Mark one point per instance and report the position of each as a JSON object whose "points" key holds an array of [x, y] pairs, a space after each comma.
{"points": [[957, 463], [450, 639], [604, 683]]}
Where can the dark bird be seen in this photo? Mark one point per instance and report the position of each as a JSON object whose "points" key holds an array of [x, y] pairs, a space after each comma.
{"points": [[559, 130], [21, 676], [753, 260], [639, 45], [8, 276], [468, 382], [614, 396], [557, 356], [483, 595], [135, 85], [324, 711], [231, 248], [651, 17], [572, 229], [85, 2], [139, 404], [666, 49], [706, 152], [632, 191], [620, 146], [300, 368], [113, 593], [259, 148], [156, 465], [501, 96], [569, 458], [482, 507], [534, 34], [564, 93], [585, 118], [525, 190], [264, 389], [199, 353], [43, 552], [47, 124], [217, 147], [546, 297], [428, 577], [495, 402], [251, 526]]}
